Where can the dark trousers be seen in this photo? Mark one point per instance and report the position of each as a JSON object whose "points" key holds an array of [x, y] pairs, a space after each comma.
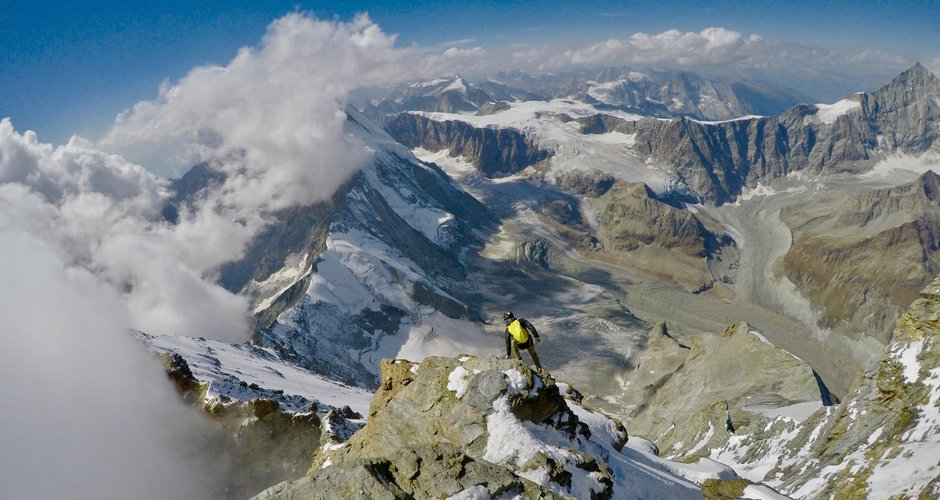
{"points": [[530, 347]]}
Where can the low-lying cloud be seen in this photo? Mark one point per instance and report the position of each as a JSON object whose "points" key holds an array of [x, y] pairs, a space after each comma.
{"points": [[87, 254]]}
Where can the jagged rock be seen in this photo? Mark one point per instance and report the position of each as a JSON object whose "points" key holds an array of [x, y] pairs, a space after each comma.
{"points": [[495, 152], [717, 160], [436, 429], [177, 368], [880, 441]]}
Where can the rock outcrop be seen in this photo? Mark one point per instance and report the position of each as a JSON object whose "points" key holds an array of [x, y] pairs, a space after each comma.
{"points": [[483, 428], [496, 152], [259, 441], [639, 230]]}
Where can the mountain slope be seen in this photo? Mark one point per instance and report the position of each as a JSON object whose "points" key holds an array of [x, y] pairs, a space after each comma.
{"points": [[881, 441], [837, 255], [389, 273]]}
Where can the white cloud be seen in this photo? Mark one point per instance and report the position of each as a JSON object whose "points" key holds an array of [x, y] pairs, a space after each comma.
{"points": [[272, 118], [86, 254], [86, 413], [934, 66], [719, 51]]}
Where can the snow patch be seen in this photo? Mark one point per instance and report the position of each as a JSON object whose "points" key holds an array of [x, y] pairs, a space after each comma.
{"points": [[900, 168], [829, 113], [762, 492], [517, 382], [457, 381], [243, 372], [907, 356]]}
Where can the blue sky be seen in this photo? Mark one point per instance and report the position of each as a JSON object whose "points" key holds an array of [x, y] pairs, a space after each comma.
{"points": [[69, 67]]}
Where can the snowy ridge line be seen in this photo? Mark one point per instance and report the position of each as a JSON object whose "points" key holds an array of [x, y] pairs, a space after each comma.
{"points": [[242, 372]]}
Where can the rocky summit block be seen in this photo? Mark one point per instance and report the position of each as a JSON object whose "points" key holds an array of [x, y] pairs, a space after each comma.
{"points": [[481, 425]]}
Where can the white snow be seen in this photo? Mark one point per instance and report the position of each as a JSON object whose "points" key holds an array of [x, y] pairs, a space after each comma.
{"points": [[231, 369], [900, 168], [517, 381], [907, 356], [414, 210], [736, 119], [571, 149], [702, 442], [798, 412], [829, 113], [334, 446], [760, 337], [763, 190], [762, 492], [458, 381], [477, 492], [918, 462], [456, 167], [515, 443]]}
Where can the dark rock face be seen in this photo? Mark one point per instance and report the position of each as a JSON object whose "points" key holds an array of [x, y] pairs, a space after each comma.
{"points": [[495, 152]]}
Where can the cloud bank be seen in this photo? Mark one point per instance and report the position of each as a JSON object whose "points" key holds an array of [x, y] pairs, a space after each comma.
{"points": [[87, 254]]}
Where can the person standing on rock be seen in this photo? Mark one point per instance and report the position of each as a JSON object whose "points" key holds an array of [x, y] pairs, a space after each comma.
{"points": [[520, 334]]}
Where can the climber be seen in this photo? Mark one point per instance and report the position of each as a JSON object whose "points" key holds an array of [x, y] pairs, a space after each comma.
{"points": [[520, 334]]}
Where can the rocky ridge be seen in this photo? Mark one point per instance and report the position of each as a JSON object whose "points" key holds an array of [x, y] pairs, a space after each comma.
{"points": [[717, 160], [654, 92], [260, 433], [677, 393], [880, 441], [481, 427]]}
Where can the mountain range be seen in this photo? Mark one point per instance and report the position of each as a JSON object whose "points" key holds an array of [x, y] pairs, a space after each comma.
{"points": [[772, 253]]}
